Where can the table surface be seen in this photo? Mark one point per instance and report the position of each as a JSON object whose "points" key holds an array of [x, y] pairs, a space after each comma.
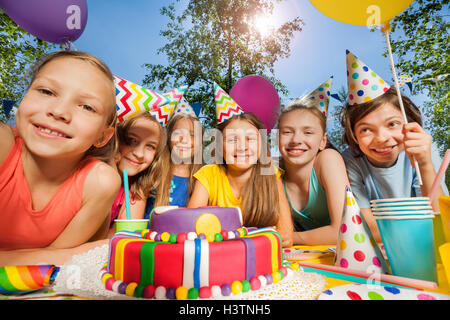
{"points": [[49, 294]]}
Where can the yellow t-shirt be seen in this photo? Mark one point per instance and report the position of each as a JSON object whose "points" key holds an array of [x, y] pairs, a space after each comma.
{"points": [[215, 180]]}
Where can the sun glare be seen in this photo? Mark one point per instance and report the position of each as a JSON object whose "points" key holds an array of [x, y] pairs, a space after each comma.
{"points": [[263, 25]]}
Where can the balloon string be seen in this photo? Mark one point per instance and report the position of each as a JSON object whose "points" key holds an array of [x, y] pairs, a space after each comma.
{"points": [[400, 100]]}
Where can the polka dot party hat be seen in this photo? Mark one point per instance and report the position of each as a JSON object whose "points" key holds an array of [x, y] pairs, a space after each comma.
{"points": [[321, 96], [363, 83], [356, 248], [184, 107], [226, 107]]}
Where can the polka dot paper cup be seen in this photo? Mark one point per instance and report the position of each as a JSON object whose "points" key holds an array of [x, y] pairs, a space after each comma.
{"points": [[409, 245]]}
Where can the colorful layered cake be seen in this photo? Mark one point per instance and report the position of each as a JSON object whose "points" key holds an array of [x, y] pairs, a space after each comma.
{"points": [[189, 253]]}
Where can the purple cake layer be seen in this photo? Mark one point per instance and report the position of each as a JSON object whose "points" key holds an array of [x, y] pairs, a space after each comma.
{"points": [[179, 220]]}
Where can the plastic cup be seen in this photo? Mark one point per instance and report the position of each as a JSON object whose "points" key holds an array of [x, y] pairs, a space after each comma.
{"points": [[134, 225], [439, 238], [409, 245], [444, 208], [444, 251]]}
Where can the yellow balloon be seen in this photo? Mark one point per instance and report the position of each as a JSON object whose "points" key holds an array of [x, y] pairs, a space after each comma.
{"points": [[362, 12]]}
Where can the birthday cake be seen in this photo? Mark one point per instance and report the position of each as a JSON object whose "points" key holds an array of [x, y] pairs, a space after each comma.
{"points": [[194, 253]]}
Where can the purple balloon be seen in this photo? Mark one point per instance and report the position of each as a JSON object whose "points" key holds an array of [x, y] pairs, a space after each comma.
{"points": [[257, 95], [56, 21]]}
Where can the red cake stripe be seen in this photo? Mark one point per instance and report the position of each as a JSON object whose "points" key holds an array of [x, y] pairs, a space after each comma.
{"points": [[168, 265], [132, 261], [222, 268]]}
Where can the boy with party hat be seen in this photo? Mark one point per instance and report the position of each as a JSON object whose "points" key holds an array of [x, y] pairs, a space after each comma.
{"points": [[381, 145]]}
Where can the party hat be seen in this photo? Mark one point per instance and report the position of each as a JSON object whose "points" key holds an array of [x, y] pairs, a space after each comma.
{"points": [[321, 96], [175, 95], [22, 279], [226, 107], [132, 99], [184, 107], [363, 83], [162, 114], [356, 248]]}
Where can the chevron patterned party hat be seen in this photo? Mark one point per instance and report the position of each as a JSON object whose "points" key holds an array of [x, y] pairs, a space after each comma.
{"points": [[356, 247], [184, 107], [321, 96], [175, 95], [226, 107], [132, 99], [363, 83]]}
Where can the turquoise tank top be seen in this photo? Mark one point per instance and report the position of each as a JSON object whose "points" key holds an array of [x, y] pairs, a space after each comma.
{"points": [[315, 214]]}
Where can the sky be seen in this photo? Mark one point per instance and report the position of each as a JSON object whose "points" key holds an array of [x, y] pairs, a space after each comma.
{"points": [[125, 34]]}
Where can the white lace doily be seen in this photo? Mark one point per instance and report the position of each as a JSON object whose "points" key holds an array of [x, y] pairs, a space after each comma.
{"points": [[80, 276]]}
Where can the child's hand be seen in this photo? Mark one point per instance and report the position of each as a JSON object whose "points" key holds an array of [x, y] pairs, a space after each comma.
{"points": [[417, 143]]}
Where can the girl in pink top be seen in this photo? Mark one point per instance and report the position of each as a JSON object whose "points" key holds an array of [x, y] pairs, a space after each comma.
{"points": [[55, 194]]}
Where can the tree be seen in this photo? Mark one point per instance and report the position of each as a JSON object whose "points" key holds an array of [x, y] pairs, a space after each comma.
{"points": [[219, 41], [421, 44], [18, 51], [334, 127]]}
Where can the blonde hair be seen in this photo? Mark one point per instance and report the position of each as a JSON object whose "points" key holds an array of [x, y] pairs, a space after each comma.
{"points": [[106, 152], [197, 155], [260, 201], [148, 182]]}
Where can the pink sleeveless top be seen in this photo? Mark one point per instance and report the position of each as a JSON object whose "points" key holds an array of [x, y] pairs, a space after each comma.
{"points": [[22, 227]]}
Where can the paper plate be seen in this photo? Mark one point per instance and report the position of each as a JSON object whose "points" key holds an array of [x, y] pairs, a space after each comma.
{"points": [[401, 217], [374, 292]]}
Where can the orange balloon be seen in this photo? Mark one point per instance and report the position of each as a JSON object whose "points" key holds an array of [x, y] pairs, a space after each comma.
{"points": [[362, 12]]}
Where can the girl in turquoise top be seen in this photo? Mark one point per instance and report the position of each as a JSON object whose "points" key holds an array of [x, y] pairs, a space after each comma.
{"points": [[315, 178]]}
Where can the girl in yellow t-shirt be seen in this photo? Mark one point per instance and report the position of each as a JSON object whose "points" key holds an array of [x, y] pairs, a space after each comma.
{"points": [[245, 179]]}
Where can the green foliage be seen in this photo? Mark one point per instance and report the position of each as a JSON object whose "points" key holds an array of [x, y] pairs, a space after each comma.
{"points": [[217, 41], [420, 41], [18, 51], [334, 127]]}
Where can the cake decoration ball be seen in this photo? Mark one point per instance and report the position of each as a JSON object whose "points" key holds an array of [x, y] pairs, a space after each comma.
{"points": [[204, 292], [170, 293], [138, 292], [109, 283], [237, 234], [226, 289], [201, 236], [231, 235], [269, 278], [106, 276], [173, 238], [149, 291], [236, 287], [153, 235], [158, 237], [276, 277], [218, 237], [129, 291], [193, 293], [181, 293], [284, 271], [160, 292], [165, 236], [263, 280], [144, 233], [224, 234], [115, 286], [255, 283], [295, 266], [216, 291], [191, 235], [241, 232], [181, 237], [246, 286]]}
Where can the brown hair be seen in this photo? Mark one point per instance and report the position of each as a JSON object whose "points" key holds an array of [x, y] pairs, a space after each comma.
{"points": [[194, 167], [148, 182], [106, 152], [351, 114], [260, 201]]}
